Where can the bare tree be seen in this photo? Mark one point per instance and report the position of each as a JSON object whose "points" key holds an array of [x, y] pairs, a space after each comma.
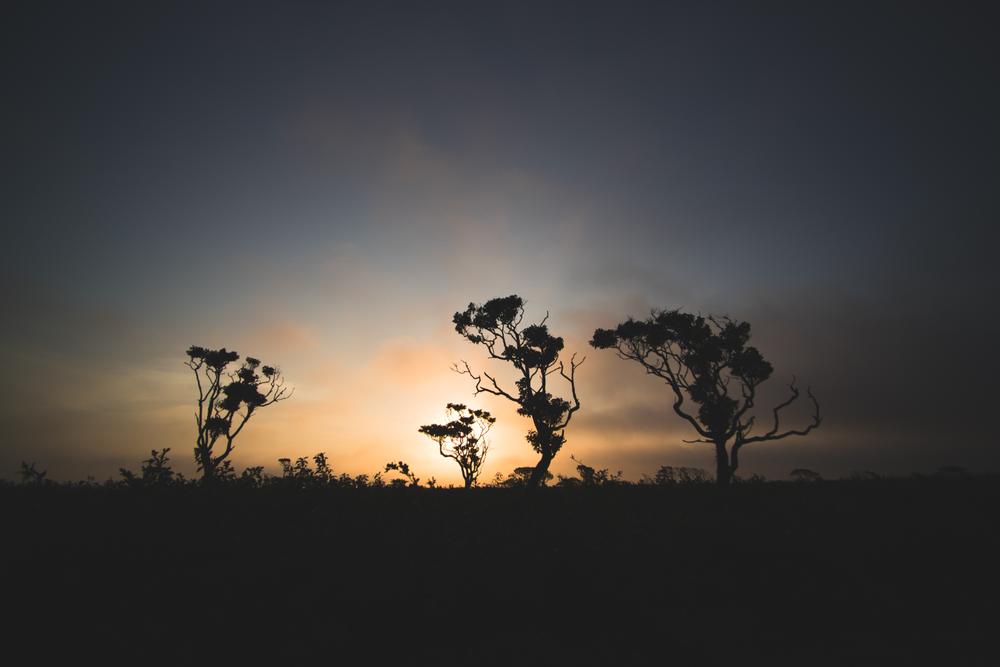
{"points": [[708, 361], [534, 353], [227, 400], [463, 439]]}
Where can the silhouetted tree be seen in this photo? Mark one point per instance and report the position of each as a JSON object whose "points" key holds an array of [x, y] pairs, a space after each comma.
{"points": [[708, 361], [534, 353], [227, 401], [463, 439]]}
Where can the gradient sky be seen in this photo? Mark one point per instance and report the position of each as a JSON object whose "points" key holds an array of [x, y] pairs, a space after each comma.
{"points": [[322, 185]]}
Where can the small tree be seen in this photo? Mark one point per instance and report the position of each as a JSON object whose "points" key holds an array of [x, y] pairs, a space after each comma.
{"points": [[227, 401], [463, 439], [708, 361], [534, 353]]}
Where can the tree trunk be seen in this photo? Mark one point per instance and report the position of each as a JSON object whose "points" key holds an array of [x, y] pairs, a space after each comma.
{"points": [[723, 471], [541, 469], [207, 470]]}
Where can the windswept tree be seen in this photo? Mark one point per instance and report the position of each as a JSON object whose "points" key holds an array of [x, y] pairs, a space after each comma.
{"points": [[534, 353], [463, 439], [707, 361], [227, 400]]}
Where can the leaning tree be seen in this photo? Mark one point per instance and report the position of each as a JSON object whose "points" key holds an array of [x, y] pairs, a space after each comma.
{"points": [[534, 353], [706, 360], [463, 439], [226, 402]]}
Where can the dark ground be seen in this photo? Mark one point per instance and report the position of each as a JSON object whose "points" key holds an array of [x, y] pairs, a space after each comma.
{"points": [[833, 573]]}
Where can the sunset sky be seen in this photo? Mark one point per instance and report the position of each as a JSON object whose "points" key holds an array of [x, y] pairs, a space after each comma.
{"points": [[322, 185]]}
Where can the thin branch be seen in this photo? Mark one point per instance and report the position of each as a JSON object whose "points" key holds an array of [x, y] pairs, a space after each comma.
{"points": [[773, 434], [496, 390]]}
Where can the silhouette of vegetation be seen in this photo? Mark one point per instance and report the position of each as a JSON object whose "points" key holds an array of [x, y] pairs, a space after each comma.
{"points": [[463, 439], [520, 477], [534, 353], [403, 469], [226, 402], [155, 471], [669, 475], [31, 475], [706, 361], [588, 476], [805, 475], [300, 474], [308, 547]]}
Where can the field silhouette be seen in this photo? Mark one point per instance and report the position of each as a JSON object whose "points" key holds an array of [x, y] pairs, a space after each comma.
{"points": [[879, 571]]}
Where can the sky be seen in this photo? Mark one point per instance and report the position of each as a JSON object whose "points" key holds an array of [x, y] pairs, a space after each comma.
{"points": [[322, 186]]}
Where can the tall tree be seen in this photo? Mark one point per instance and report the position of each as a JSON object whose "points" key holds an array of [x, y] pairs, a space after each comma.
{"points": [[227, 400], [707, 361], [534, 353], [463, 439]]}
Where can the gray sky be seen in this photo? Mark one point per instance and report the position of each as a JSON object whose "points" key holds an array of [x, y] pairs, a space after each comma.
{"points": [[324, 186]]}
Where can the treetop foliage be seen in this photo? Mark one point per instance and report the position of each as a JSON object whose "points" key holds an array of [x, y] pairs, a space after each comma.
{"points": [[701, 354]]}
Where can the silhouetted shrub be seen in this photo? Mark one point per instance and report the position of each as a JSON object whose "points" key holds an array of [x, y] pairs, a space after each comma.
{"points": [[590, 477], [755, 478], [155, 471], [403, 469], [31, 475], [252, 477], [668, 475], [863, 476], [519, 478], [805, 475], [301, 474]]}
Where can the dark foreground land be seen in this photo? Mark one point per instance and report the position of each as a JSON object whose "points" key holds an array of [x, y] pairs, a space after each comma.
{"points": [[839, 573]]}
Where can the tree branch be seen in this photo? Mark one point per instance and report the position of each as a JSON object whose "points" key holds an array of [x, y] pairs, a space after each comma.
{"points": [[773, 434]]}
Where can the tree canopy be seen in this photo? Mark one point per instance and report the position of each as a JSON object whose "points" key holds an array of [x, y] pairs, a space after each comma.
{"points": [[707, 362]]}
